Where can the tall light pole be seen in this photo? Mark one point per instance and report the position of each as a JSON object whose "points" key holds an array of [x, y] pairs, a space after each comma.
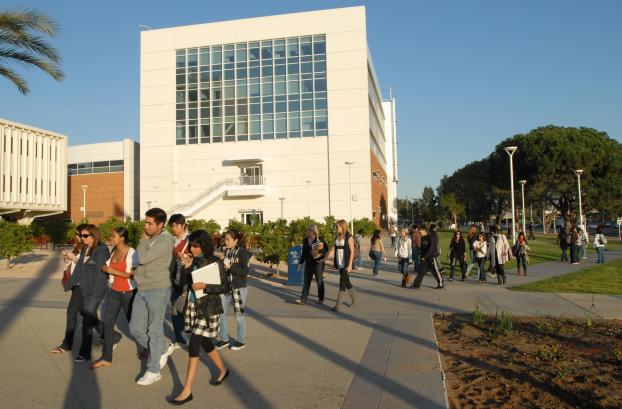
{"points": [[510, 151], [308, 182], [522, 190], [349, 164], [578, 172], [84, 187], [281, 199]]}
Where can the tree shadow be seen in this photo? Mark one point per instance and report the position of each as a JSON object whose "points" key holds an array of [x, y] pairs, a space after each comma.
{"points": [[26, 259]]}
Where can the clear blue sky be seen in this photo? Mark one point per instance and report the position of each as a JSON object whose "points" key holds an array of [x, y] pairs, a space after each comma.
{"points": [[466, 74]]}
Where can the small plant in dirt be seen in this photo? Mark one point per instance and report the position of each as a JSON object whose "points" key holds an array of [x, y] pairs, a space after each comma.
{"points": [[616, 354], [547, 353], [477, 315], [561, 371], [505, 323], [588, 321]]}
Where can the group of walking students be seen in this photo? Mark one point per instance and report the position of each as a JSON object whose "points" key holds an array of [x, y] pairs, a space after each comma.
{"points": [[143, 281], [421, 246]]}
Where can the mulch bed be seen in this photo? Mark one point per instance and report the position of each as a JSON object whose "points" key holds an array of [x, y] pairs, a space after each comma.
{"points": [[541, 362]]}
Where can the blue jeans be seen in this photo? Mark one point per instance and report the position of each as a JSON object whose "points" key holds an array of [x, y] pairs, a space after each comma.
{"points": [[416, 259], [177, 313], [376, 256], [600, 252], [240, 318], [147, 323]]}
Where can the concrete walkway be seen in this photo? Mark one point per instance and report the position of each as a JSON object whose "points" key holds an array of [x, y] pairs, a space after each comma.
{"points": [[381, 353]]}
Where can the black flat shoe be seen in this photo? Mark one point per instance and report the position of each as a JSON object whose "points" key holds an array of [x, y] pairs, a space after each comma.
{"points": [[180, 402], [215, 382]]}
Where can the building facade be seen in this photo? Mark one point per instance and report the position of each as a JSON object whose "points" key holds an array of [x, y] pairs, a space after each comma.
{"points": [[390, 132], [261, 118], [33, 172], [103, 181]]}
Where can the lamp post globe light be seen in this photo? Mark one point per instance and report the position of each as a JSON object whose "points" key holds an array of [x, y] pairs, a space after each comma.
{"points": [[578, 172], [510, 151], [522, 190], [349, 164], [84, 187]]}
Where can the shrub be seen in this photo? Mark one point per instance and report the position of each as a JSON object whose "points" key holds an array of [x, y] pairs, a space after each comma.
{"points": [[108, 226], [209, 226], [366, 225], [15, 239], [298, 229], [135, 231], [328, 230], [274, 242], [59, 231]]}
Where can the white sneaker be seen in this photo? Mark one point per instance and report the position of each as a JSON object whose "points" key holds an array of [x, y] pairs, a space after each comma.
{"points": [[149, 378], [166, 354]]}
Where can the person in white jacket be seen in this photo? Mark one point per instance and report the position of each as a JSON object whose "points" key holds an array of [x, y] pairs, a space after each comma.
{"points": [[500, 253], [404, 255], [480, 250], [599, 244]]}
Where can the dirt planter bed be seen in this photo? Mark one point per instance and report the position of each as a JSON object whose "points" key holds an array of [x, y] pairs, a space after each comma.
{"points": [[530, 362]]}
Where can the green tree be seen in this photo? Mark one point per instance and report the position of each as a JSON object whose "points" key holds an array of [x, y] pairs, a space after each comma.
{"points": [[274, 242], [21, 44], [15, 239], [328, 230], [106, 228], [209, 226], [429, 204], [298, 229], [366, 225], [453, 206], [59, 231], [547, 157]]}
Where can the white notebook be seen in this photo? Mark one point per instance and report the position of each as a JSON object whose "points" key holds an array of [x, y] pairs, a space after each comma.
{"points": [[209, 274]]}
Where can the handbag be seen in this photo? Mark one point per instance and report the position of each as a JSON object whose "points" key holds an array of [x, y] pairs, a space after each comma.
{"points": [[66, 276]]}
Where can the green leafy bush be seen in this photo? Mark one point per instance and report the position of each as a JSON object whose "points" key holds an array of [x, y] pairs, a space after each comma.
{"points": [[15, 239], [366, 225]]}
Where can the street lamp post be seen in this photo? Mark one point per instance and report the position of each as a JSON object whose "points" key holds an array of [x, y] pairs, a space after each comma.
{"points": [[349, 164], [281, 199], [510, 151], [578, 172], [522, 189], [84, 187], [308, 182]]}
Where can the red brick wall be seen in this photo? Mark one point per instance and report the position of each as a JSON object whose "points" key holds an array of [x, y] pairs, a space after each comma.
{"points": [[378, 192], [104, 196]]}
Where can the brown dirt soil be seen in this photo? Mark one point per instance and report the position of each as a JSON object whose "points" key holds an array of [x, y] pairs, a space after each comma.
{"points": [[543, 362]]}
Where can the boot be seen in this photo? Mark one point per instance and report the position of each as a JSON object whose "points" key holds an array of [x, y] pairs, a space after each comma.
{"points": [[352, 296], [403, 281], [339, 299]]}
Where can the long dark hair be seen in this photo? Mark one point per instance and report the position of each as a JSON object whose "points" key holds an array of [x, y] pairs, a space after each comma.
{"points": [[375, 237], [94, 232], [204, 241], [123, 233], [78, 247], [236, 235]]}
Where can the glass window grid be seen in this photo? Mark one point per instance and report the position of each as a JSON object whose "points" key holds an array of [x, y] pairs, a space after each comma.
{"points": [[94, 167], [263, 90]]}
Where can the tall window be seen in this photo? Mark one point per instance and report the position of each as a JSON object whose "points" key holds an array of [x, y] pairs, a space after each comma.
{"points": [[258, 90]]}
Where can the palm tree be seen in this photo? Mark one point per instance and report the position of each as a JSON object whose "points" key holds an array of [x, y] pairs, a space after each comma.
{"points": [[21, 44]]}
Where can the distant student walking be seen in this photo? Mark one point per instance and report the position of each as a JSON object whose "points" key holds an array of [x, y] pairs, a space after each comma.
{"points": [[343, 254], [500, 253], [314, 249], [403, 254], [521, 250], [480, 248], [376, 251], [599, 244], [457, 255], [392, 234], [429, 253]]}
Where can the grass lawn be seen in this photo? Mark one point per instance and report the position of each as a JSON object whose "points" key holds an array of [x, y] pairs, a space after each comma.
{"points": [[599, 279]]}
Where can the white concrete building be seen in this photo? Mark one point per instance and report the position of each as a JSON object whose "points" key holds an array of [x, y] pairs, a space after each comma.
{"points": [[264, 117], [33, 172], [390, 132], [104, 181]]}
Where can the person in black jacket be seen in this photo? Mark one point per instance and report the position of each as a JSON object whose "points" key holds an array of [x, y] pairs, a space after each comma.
{"points": [[314, 250], [236, 260], [429, 253], [457, 254], [202, 312], [93, 284]]}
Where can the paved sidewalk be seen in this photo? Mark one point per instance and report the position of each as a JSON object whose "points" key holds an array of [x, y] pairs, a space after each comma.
{"points": [[381, 353]]}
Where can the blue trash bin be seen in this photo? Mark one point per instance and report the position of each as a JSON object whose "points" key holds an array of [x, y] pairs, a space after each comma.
{"points": [[294, 273]]}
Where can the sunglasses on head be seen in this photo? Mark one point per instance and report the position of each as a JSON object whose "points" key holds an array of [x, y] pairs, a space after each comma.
{"points": [[85, 236]]}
